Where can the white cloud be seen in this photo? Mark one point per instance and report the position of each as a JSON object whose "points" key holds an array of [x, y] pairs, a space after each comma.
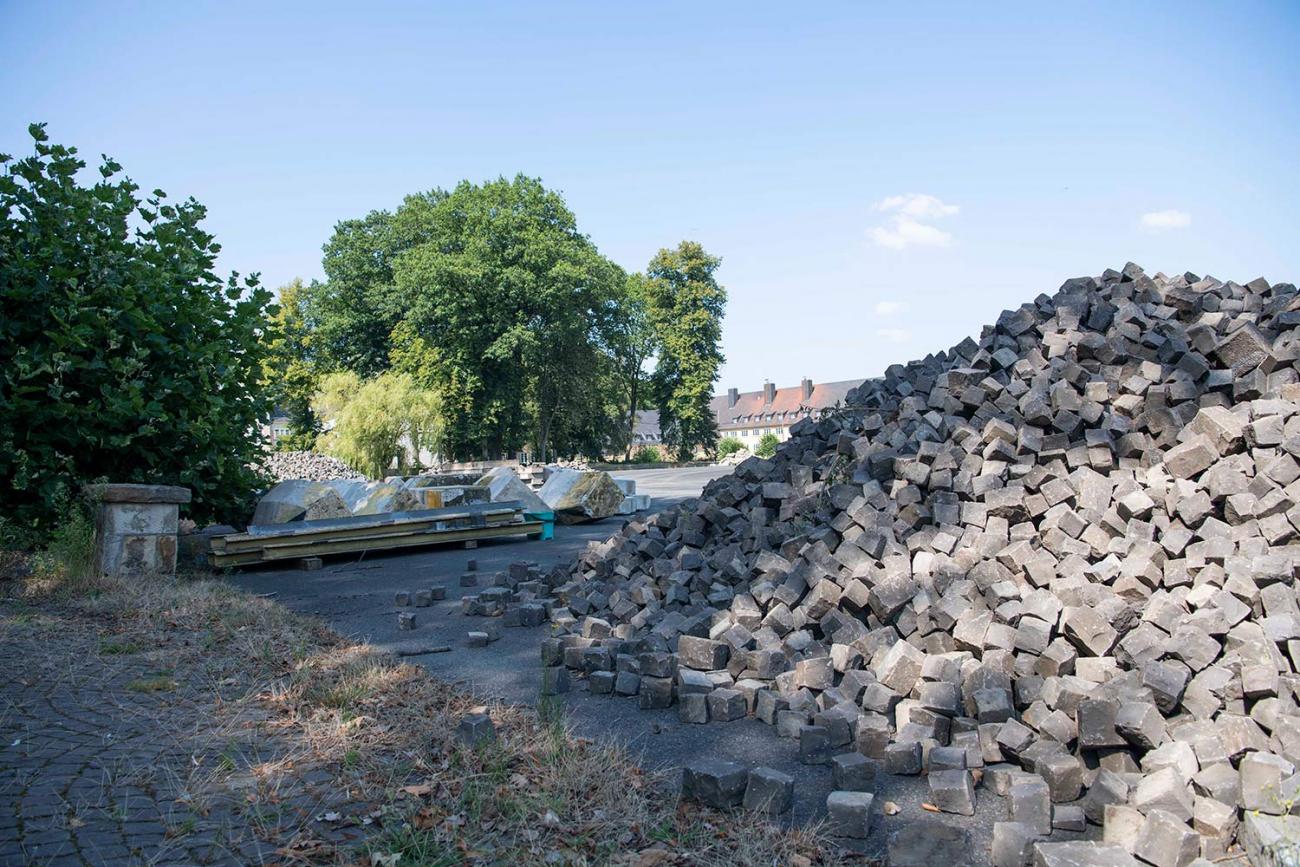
{"points": [[894, 335], [920, 206], [1170, 219], [889, 308], [902, 232], [904, 226]]}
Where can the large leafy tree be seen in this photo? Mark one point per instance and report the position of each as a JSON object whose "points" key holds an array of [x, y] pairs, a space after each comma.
{"points": [[489, 295], [685, 305], [122, 356], [355, 310]]}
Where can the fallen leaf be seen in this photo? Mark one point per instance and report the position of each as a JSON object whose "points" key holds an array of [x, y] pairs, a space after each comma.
{"points": [[891, 809], [389, 860], [305, 847], [419, 790], [652, 857], [930, 808], [328, 817], [550, 820], [800, 861]]}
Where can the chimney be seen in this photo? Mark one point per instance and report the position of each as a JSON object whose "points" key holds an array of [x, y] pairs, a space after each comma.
{"points": [[806, 388], [733, 395], [769, 393]]}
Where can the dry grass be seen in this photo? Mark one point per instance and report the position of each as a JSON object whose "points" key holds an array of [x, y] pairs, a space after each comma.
{"points": [[295, 699], [538, 795]]}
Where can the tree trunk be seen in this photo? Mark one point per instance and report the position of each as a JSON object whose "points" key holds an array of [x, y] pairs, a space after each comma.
{"points": [[631, 418]]}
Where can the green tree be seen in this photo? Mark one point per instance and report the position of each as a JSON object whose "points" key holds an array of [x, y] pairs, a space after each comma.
{"points": [[767, 445], [729, 446], [354, 311], [516, 303], [648, 455], [122, 355], [685, 306], [378, 423], [633, 342], [291, 374]]}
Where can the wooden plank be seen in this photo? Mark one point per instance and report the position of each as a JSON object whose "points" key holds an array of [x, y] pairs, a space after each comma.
{"points": [[468, 510], [378, 531], [282, 544], [361, 524], [343, 547], [350, 546]]}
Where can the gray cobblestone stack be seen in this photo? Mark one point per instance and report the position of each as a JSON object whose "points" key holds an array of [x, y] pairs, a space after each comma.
{"points": [[1057, 560], [314, 467]]}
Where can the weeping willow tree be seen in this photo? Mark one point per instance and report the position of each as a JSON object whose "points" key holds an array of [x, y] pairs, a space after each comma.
{"points": [[379, 424]]}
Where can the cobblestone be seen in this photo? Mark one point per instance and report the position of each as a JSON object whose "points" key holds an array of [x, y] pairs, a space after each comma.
{"points": [[114, 758]]}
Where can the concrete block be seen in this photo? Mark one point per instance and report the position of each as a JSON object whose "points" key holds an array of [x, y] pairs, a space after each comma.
{"points": [[853, 772], [769, 791], [476, 729], [1012, 844], [815, 746], [726, 705], [849, 814], [1081, 853], [656, 692], [693, 708], [953, 792], [1167, 841], [715, 783], [1031, 804]]}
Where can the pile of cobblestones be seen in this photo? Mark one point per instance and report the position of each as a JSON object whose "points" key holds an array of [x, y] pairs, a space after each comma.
{"points": [[1054, 564], [311, 466]]}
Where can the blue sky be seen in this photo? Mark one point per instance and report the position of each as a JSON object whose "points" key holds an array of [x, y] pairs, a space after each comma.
{"points": [[879, 180]]}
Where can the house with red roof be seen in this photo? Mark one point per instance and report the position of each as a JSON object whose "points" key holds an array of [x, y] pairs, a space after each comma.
{"points": [[747, 415]]}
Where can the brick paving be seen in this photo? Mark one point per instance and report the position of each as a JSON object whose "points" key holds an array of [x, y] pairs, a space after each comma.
{"points": [[112, 753]]}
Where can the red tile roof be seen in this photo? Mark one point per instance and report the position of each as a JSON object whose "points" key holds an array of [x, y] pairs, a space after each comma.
{"points": [[787, 406]]}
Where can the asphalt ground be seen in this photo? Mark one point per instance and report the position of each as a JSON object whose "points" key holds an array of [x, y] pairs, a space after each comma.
{"points": [[356, 597]]}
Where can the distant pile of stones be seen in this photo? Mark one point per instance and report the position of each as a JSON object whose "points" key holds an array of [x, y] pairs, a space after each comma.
{"points": [[1056, 563], [310, 466]]}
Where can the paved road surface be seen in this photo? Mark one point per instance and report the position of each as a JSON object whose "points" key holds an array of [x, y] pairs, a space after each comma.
{"points": [[356, 598]]}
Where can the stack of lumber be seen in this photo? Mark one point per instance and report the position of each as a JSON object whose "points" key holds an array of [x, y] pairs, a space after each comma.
{"points": [[272, 542]]}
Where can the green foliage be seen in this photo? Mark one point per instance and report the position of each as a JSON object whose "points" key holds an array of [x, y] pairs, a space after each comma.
{"points": [[632, 342], [299, 442], [767, 445], [685, 306], [729, 446], [375, 420], [69, 552], [489, 295], [122, 356], [355, 310], [291, 376], [648, 455]]}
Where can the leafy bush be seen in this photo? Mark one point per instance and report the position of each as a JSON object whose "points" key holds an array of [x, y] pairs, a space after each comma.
{"points": [[767, 445], [648, 455], [729, 446], [122, 356], [63, 561], [296, 442], [69, 552]]}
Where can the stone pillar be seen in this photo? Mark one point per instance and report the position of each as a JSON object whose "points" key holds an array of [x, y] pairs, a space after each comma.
{"points": [[135, 528]]}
